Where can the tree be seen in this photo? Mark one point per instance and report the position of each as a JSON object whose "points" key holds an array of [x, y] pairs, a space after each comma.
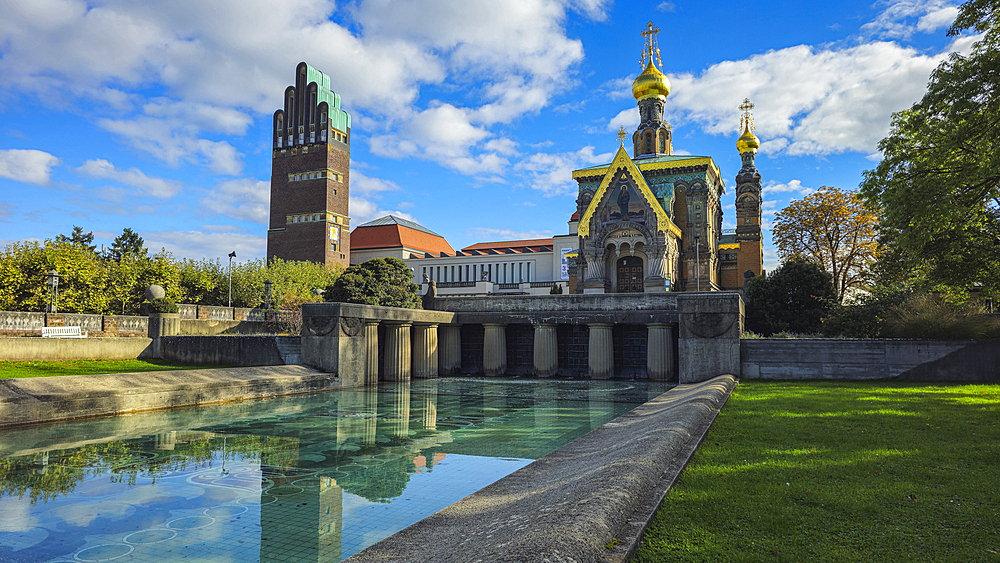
{"points": [[129, 242], [833, 229], [78, 238], [938, 185], [380, 281], [796, 298]]}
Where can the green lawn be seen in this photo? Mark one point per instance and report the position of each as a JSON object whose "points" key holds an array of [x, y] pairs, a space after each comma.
{"points": [[9, 370], [840, 471]]}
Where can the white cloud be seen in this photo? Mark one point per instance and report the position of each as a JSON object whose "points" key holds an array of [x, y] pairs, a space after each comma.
{"points": [[900, 19], [552, 173], [151, 185], [5, 212], [213, 64], [27, 165], [792, 187], [362, 184], [200, 244], [363, 210], [816, 101], [666, 7], [243, 199]]}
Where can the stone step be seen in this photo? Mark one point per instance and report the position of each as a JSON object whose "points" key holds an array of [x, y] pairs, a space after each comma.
{"points": [[290, 348]]}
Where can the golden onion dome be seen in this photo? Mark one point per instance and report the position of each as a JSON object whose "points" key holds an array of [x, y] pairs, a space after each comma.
{"points": [[747, 141], [650, 84]]}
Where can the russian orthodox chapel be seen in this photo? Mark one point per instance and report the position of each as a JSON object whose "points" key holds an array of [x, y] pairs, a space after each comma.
{"points": [[653, 222]]}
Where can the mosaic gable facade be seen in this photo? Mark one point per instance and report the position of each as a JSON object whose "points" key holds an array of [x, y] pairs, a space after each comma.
{"points": [[653, 222]]}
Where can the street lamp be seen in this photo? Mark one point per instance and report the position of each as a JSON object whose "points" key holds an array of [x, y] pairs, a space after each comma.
{"points": [[697, 259], [231, 256], [267, 294], [52, 284]]}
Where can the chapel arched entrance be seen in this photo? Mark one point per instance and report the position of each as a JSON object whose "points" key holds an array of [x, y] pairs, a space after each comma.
{"points": [[629, 275]]}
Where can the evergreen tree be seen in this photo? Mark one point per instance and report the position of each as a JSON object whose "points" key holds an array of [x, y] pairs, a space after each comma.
{"points": [[129, 242], [795, 298], [380, 281]]}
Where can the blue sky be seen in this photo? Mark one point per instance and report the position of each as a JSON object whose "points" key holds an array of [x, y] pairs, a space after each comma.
{"points": [[468, 117]]}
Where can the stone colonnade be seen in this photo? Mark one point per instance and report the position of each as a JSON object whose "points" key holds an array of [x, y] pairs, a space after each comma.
{"points": [[424, 350]]}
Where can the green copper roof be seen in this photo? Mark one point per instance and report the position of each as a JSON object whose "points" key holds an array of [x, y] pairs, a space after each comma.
{"points": [[339, 119]]}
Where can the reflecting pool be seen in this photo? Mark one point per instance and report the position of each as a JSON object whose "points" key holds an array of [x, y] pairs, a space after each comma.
{"points": [[307, 478]]}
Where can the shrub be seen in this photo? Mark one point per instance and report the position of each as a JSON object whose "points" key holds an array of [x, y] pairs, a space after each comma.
{"points": [[162, 305], [556, 289], [932, 316], [793, 298]]}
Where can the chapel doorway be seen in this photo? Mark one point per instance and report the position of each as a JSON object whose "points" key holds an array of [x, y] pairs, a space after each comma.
{"points": [[630, 275]]}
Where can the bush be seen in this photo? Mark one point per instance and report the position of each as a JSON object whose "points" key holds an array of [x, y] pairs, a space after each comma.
{"points": [[794, 298], [380, 281], [556, 289], [162, 305], [865, 317], [933, 317]]}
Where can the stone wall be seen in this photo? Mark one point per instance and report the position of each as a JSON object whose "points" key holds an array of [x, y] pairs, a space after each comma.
{"points": [[259, 350], [58, 349], [918, 360]]}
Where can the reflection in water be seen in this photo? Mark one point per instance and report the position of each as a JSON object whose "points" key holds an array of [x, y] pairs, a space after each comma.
{"points": [[320, 476]]}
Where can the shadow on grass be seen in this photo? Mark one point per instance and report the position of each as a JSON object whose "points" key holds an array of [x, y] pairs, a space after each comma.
{"points": [[10, 370], [830, 471]]}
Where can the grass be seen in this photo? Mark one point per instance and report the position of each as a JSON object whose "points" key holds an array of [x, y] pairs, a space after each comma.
{"points": [[10, 370], [840, 471]]}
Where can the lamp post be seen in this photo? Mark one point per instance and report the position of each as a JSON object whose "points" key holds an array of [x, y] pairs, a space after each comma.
{"points": [[231, 256], [267, 294], [697, 259], [52, 283]]}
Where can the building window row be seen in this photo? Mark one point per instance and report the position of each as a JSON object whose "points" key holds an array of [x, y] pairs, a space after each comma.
{"points": [[326, 217], [505, 272], [316, 175]]}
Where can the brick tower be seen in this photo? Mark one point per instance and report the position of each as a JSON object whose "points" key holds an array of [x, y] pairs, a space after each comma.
{"points": [[310, 169]]}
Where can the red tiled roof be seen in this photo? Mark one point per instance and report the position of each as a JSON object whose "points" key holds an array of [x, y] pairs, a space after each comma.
{"points": [[535, 244], [393, 236], [575, 217]]}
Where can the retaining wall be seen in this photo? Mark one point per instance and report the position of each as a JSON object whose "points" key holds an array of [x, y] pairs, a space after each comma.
{"points": [[221, 350], [38, 349], [917, 360]]}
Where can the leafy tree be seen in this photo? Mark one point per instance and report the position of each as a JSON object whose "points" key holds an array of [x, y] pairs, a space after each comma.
{"points": [[793, 298], [938, 185], [833, 229], [866, 316], [78, 238], [379, 281], [129, 242]]}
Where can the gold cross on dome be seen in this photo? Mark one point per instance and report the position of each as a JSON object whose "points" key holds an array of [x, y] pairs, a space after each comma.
{"points": [[622, 133], [651, 48], [746, 120]]}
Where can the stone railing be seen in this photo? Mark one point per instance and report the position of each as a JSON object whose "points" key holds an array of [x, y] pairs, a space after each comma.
{"points": [[90, 323], [18, 321]]}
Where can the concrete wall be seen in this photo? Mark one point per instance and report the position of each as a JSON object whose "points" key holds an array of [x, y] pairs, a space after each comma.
{"points": [[917, 360], [221, 350], [39, 349]]}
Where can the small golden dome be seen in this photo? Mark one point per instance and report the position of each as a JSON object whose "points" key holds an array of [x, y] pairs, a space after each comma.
{"points": [[650, 84], [747, 141]]}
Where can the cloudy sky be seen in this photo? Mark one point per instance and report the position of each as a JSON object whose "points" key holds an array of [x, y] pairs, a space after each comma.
{"points": [[468, 117]]}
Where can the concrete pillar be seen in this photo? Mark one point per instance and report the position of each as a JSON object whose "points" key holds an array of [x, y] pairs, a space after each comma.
{"points": [[397, 351], [660, 351], [425, 350], [371, 352], [495, 349], [602, 352], [449, 349], [546, 350]]}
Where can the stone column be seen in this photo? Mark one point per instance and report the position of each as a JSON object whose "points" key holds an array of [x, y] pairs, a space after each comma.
{"points": [[602, 353], [660, 351], [371, 352], [397, 351], [495, 349], [449, 349], [425, 350], [546, 350]]}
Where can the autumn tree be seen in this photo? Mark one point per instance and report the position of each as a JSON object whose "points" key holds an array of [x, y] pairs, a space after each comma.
{"points": [[938, 184], [833, 229]]}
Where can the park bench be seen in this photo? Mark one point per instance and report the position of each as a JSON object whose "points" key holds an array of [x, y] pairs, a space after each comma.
{"points": [[63, 332]]}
